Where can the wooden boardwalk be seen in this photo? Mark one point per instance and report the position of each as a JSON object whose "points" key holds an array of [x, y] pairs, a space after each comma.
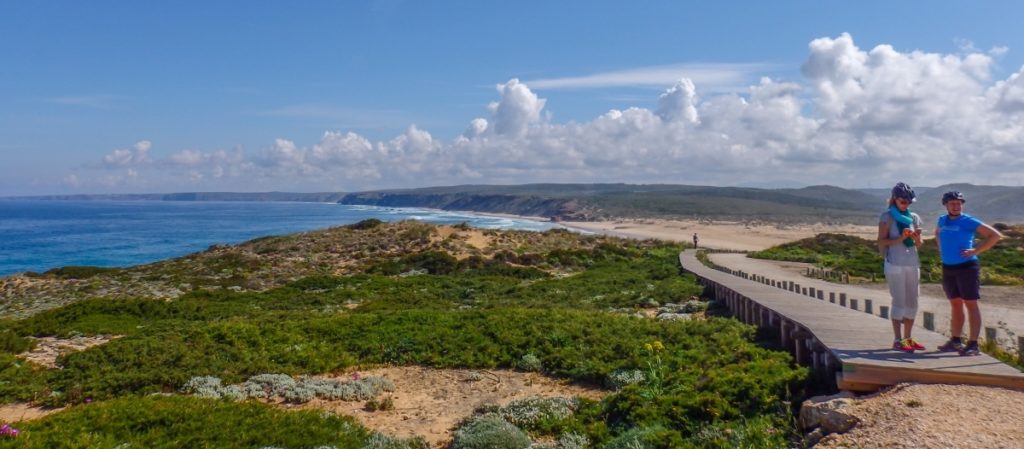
{"points": [[854, 345]]}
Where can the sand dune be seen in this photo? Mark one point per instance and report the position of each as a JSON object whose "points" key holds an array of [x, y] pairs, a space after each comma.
{"points": [[720, 234]]}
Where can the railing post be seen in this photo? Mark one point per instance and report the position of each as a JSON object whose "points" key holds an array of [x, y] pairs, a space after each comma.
{"points": [[867, 307], [810, 291], [842, 298], [799, 351], [1020, 349], [821, 295], [853, 304], [831, 296], [929, 321], [990, 334], [883, 311]]}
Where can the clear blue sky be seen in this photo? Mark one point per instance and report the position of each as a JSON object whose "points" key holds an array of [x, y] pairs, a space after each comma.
{"points": [[105, 96]]}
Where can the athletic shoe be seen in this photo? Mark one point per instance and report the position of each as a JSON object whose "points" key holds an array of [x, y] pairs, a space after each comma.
{"points": [[902, 345], [970, 349], [951, 346], [914, 344]]}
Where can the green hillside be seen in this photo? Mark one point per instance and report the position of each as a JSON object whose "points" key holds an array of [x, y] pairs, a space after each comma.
{"points": [[401, 294]]}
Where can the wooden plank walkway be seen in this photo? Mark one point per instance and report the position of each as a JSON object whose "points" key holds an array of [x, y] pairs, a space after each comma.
{"points": [[853, 344]]}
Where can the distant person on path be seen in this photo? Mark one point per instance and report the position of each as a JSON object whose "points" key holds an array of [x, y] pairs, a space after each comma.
{"points": [[899, 236], [695, 240], [961, 271]]}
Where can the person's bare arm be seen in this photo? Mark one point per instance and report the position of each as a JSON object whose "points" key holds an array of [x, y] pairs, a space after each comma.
{"points": [[991, 237], [883, 236], [884, 241]]}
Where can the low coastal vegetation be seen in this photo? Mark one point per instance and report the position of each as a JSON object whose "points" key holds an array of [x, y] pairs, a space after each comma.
{"points": [[1003, 264], [273, 318]]}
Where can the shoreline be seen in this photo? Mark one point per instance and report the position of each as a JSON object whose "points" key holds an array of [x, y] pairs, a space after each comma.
{"points": [[716, 234]]}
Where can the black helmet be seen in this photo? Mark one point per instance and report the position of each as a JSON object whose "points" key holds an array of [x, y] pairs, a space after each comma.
{"points": [[901, 190], [952, 195]]}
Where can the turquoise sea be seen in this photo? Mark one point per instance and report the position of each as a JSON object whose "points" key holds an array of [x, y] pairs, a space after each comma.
{"points": [[37, 235]]}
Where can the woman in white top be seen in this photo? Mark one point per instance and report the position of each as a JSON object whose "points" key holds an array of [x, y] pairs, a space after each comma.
{"points": [[899, 236]]}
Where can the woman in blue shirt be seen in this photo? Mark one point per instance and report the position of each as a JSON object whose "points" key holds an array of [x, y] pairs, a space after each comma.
{"points": [[961, 272]]}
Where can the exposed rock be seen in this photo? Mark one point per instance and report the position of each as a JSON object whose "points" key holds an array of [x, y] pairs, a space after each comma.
{"points": [[674, 316], [814, 437], [827, 413]]}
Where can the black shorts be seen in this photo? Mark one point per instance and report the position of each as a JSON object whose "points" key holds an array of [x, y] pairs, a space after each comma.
{"points": [[962, 281]]}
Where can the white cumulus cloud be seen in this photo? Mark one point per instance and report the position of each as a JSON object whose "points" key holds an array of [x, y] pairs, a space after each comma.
{"points": [[857, 117], [138, 154]]}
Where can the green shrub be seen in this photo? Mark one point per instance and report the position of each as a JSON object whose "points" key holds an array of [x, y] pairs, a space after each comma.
{"points": [[11, 342], [530, 362], [529, 413], [384, 404], [22, 381], [638, 438], [570, 440], [79, 272], [299, 391], [765, 432], [176, 422], [363, 225], [382, 441], [623, 377], [434, 262], [489, 432]]}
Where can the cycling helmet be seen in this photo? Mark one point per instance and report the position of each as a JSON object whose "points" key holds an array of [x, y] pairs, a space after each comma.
{"points": [[903, 191], [952, 195]]}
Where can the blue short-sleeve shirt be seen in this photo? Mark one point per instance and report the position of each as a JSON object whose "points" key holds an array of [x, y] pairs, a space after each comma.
{"points": [[956, 235]]}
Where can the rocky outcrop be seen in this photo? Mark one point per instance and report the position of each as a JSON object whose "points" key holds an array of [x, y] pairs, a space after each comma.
{"points": [[824, 415]]}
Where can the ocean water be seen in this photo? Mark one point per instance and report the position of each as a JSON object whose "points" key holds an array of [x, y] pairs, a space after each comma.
{"points": [[40, 235]]}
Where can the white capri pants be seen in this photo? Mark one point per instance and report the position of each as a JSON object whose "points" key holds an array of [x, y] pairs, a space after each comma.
{"points": [[904, 286]]}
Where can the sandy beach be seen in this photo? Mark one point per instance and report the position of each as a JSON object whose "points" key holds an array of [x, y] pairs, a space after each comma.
{"points": [[719, 234]]}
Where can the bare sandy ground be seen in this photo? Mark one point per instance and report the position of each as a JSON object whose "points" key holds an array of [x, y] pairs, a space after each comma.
{"points": [[719, 234], [427, 402], [935, 416], [431, 402], [47, 349]]}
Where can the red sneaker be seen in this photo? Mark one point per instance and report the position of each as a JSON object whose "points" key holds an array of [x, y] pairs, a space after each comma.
{"points": [[914, 344], [902, 345]]}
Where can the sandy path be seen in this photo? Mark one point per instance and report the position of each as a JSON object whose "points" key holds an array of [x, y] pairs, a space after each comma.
{"points": [[720, 235], [992, 314]]}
